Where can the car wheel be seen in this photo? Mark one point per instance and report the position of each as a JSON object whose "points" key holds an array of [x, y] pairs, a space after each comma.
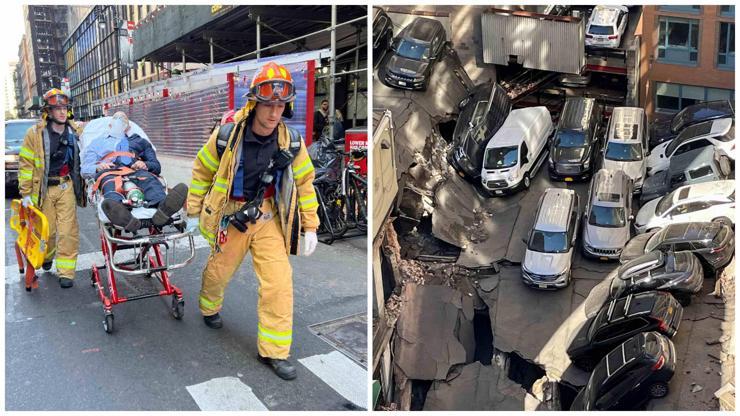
{"points": [[526, 181], [658, 390], [723, 220]]}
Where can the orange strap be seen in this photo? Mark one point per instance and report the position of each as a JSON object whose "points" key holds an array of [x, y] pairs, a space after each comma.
{"points": [[119, 173], [113, 155]]}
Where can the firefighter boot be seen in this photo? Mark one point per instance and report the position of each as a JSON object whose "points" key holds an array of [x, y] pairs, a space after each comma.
{"points": [[119, 215], [172, 203], [283, 368], [213, 321]]}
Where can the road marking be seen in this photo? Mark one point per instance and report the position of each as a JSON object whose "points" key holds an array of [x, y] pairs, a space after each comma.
{"points": [[225, 393], [341, 374], [85, 261]]}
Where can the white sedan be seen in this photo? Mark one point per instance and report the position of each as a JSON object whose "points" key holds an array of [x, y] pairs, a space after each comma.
{"points": [[719, 133], [706, 201]]}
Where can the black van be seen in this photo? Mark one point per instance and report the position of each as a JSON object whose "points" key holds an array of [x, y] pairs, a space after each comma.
{"points": [[482, 113], [575, 143], [631, 374]]}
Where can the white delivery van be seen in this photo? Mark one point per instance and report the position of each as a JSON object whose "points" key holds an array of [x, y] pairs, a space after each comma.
{"points": [[517, 150]]}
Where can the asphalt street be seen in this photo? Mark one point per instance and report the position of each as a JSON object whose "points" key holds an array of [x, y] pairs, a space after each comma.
{"points": [[58, 356]]}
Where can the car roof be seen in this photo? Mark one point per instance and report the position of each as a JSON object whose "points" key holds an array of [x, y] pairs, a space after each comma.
{"points": [[701, 111], [692, 159], [422, 29], [705, 190], [554, 218], [605, 15], [624, 126], [574, 111], [689, 231], [710, 128], [608, 186], [520, 125]]}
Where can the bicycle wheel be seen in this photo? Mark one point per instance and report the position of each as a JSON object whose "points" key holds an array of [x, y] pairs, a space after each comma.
{"points": [[339, 214], [358, 195]]}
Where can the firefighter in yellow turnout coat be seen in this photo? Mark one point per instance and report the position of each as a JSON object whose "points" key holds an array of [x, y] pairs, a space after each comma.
{"points": [[227, 174], [49, 178]]}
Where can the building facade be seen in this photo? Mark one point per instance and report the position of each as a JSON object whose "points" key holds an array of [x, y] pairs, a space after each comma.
{"points": [[97, 57], [687, 55], [9, 101]]}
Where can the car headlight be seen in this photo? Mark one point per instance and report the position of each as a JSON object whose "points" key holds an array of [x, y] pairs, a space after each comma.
{"points": [[587, 164], [11, 159], [418, 79]]}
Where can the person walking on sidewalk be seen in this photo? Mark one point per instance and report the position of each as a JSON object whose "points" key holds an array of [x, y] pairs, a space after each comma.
{"points": [[320, 119], [49, 177], [252, 191]]}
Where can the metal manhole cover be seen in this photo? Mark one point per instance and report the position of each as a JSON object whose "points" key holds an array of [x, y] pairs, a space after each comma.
{"points": [[348, 335]]}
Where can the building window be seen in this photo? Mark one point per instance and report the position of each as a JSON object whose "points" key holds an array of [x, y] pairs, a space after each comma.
{"points": [[681, 9], [727, 11], [674, 97], [678, 41], [726, 53]]}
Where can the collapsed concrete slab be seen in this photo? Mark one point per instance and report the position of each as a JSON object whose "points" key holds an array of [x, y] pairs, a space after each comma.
{"points": [[476, 387], [434, 331]]}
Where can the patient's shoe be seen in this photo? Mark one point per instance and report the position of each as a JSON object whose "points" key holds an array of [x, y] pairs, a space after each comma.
{"points": [[119, 215], [172, 203]]}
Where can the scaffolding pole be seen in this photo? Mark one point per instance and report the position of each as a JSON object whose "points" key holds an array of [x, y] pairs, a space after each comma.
{"points": [[259, 40], [332, 69], [357, 78]]}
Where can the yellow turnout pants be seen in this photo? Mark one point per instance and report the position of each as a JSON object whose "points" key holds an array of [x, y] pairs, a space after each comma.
{"points": [[60, 208]]}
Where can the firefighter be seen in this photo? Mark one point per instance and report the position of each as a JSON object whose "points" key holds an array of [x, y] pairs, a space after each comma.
{"points": [[49, 178], [229, 173]]}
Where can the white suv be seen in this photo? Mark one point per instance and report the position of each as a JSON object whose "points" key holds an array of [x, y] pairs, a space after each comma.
{"points": [[706, 201], [606, 26], [719, 133], [627, 143]]}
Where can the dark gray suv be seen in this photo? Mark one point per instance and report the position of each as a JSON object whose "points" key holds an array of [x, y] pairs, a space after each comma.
{"points": [[413, 54]]}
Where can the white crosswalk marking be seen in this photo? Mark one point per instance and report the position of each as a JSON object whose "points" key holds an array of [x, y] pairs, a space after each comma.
{"points": [[341, 374], [85, 261], [225, 393]]}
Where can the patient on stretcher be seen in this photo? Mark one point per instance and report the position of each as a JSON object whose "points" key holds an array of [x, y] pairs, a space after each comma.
{"points": [[125, 170]]}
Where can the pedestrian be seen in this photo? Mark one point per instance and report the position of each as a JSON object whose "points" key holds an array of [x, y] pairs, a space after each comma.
{"points": [[338, 126], [49, 178], [252, 191], [320, 119]]}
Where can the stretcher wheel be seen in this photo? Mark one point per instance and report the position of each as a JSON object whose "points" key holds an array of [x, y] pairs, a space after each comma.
{"points": [[178, 307], [108, 323]]}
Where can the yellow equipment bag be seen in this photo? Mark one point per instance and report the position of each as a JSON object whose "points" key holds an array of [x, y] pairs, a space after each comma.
{"points": [[33, 233]]}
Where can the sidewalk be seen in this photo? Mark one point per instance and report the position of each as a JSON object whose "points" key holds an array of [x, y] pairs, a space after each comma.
{"points": [[176, 169]]}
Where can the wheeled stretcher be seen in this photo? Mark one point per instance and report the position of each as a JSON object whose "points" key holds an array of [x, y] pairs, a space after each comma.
{"points": [[146, 253]]}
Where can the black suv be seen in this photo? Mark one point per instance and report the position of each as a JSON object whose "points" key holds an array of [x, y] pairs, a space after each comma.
{"points": [[665, 129], [713, 242], [679, 273], [631, 374], [413, 54], [620, 319], [575, 143], [382, 33], [482, 113]]}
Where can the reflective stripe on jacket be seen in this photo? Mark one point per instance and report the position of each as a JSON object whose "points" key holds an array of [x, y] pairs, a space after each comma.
{"points": [[212, 178]]}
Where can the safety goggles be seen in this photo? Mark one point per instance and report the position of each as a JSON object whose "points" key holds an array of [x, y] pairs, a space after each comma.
{"points": [[282, 91], [58, 100]]}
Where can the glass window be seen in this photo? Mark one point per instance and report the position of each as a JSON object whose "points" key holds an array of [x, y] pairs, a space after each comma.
{"points": [[412, 50], [548, 242], [628, 152], [678, 40], [701, 172], [501, 157], [609, 217], [726, 52], [681, 9], [727, 11]]}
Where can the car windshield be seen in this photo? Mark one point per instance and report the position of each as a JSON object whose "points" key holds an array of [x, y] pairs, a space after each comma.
{"points": [[548, 242], [412, 50], [501, 157], [14, 133], [611, 217], [665, 203], [624, 152], [570, 139], [601, 30]]}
